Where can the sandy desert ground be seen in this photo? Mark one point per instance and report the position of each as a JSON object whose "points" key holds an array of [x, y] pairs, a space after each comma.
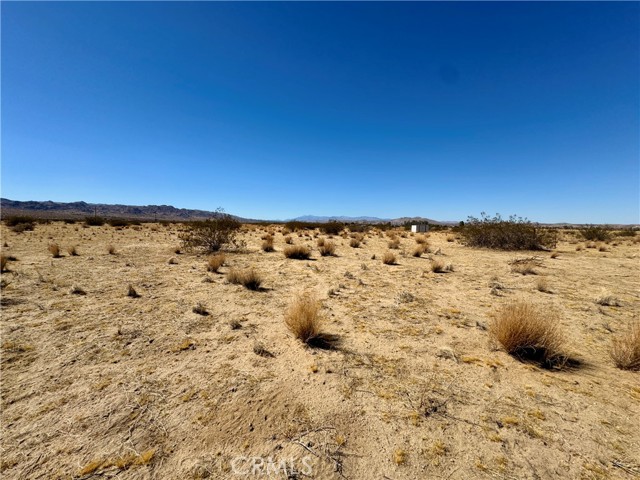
{"points": [[104, 385]]}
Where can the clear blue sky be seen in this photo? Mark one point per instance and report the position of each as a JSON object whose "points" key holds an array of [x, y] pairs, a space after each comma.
{"points": [[274, 110]]}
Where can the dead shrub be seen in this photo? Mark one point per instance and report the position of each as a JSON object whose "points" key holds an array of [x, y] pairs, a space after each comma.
{"points": [[542, 285], [288, 240], [214, 262], [320, 242], [525, 266], [354, 243], [54, 250], [297, 252], [530, 333], [389, 258], [421, 240], [328, 249], [625, 348], [249, 278], [73, 251], [3, 262], [111, 250], [394, 244]]}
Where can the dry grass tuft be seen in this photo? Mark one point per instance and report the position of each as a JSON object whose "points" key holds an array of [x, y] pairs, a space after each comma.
{"points": [[530, 333], [328, 249], [625, 349], [214, 262], [607, 300], [525, 266], [542, 285], [54, 250], [111, 249], [421, 240], [76, 290], [288, 240], [389, 258], [394, 244], [200, 309], [249, 278], [297, 252], [267, 244], [131, 292], [304, 320], [320, 242], [420, 249], [3, 262], [354, 243], [73, 251], [438, 266]]}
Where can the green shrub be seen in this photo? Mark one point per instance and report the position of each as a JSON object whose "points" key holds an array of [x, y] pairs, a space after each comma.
{"points": [[595, 233], [13, 220], [332, 228], [515, 233], [213, 234]]}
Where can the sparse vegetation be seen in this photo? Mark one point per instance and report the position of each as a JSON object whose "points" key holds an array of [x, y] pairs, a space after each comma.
{"points": [[111, 250], [513, 234], [249, 278], [439, 266], [200, 309], [595, 233], [94, 221], [303, 318], [54, 250], [327, 249], [131, 292], [297, 252], [625, 348], [608, 300], [388, 258], [213, 234], [214, 262], [267, 244], [3, 262], [530, 333], [72, 250]]}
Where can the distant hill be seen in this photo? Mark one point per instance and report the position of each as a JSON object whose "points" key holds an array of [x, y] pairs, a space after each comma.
{"points": [[60, 210]]}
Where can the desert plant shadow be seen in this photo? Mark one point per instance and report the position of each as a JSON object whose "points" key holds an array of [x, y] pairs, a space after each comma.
{"points": [[544, 360], [325, 341]]}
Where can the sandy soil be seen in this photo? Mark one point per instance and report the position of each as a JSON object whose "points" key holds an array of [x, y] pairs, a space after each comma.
{"points": [[105, 385]]}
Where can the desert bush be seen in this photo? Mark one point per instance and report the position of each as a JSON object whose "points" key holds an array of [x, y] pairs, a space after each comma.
{"points": [[13, 220], [320, 242], [354, 243], [54, 250], [530, 333], [288, 240], [625, 348], [23, 227], [328, 249], [332, 228], [214, 262], [451, 238], [303, 318], [94, 221], [627, 232], [118, 222], [297, 252], [213, 234], [111, 250], [394, 243], [72, 250], [595, 233], [438, 266], [389, 258], [249, 278], [513, 234], [267, 244], [542, 285], [421, 240]]}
